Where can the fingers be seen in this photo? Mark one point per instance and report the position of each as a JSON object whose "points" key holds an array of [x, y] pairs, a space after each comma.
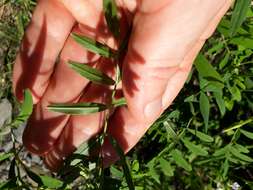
{"points": [[65, 85], [79, 128], [157, 51], [157, 64], [40, 47], [44, 126]]}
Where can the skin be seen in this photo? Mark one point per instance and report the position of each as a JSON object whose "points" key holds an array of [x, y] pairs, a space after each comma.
{"points": [[165, 39]]}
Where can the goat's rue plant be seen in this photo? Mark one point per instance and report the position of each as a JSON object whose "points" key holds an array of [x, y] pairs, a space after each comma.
{"points": [[98, 77], [202, 141]]}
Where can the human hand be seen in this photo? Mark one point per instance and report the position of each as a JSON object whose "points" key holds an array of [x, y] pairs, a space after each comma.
{"points": [[166, 37]]}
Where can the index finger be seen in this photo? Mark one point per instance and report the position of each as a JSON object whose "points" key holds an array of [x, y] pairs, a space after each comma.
{"points": [[44, 38]]}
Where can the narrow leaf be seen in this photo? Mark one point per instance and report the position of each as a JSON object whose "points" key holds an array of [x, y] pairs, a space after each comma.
{"points": [[166, 167], [119, 102], [220, 101], [171, 134], [110, 10], [78, 108], [180, 161], [123, 161], [196, 149], [91, 74], [26, 108], [202, 136], [247, 134], [239, 155], [94, 46], [239, 15], [224, 61], [221, 151], [50, 182], [204, 108], [205, 69]]}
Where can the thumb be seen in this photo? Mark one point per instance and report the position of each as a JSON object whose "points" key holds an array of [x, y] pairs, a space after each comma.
{"points": [[163, 45]]}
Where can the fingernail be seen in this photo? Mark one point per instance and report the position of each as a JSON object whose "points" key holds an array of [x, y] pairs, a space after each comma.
{"points": [[153, 110]]}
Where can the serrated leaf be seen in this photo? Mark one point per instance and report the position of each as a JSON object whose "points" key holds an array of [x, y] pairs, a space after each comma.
{"points": [[239, 14], [110, 10], [94, 46], [5, 156], [205, 69], [220, 102], [123, 161], [50, 182], [78, 108], [204, 108], [247, 134], [91, 74], [202, 136], [196, 149], [179, 159], [166, 167], [239, 155]]}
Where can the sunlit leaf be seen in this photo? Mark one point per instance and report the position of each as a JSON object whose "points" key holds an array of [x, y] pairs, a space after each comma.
{"points": [[239, 155], [247, 134], [239, 14], [225, 167], [119, 102], [166, 167], [5, 156], [94, 46], [171, 134], [91, 74], [196, 149], [242, 41], [26, 108], [205, 69], [221, 151], [78, 108], [50, 182], [180, 161], [202, 136], [241, 148], [224, 61], [110, 10]]}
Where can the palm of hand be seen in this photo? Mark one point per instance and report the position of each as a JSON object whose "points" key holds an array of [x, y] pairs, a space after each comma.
{"points": [[165, 39]]}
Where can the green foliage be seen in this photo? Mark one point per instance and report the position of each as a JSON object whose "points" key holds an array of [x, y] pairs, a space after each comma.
{"points": [[201, 142], [110, 10], [78, 108], [239, 15], [94, 46], [91, 74]]}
